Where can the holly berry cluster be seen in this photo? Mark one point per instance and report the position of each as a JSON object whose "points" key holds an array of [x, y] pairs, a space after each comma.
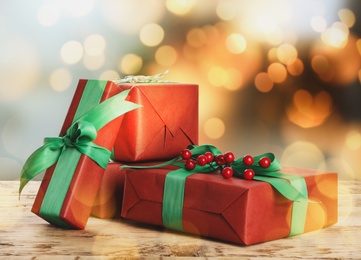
{"points": [[224, 161]]}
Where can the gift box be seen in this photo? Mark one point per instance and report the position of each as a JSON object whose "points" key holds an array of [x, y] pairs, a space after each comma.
{"points": [[235, 210], [75, 161], [108, 201], [166, 123]]}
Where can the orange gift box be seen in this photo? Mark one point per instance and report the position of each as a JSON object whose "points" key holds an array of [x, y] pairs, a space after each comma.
{"points": [[235, 210], [166, 123], [85, 179], [109, 199]]}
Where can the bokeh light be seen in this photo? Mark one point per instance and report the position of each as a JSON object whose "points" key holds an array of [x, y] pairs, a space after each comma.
{"points": [[347, 17], [180, 7], [309, 111], [318, 23], [302, 154], [225, 10], [295, 68], [272, 75], [94, 44], [263, 82], [60, 79], [196, 37], [214, 128], [166, 55], [277, 72], [130, 64], [71, 52], [151, 34], [236, 43]]}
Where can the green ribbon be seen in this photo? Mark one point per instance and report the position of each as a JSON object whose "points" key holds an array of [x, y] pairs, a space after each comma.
{"points": [[66, 150], [292, 187]]}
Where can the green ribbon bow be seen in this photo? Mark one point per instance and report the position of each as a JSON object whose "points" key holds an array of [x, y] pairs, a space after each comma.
{"points": [[79, 136], [292, 187]]}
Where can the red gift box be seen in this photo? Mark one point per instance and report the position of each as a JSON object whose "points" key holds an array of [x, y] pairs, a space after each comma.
{"points": [[235, 210], [108, 201], [75, 178], [165, 124]]}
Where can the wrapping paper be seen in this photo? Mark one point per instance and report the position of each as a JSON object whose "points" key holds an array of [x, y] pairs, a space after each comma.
{"points": [[86, 178], [109, 199], [234, 210], [166, 123]]}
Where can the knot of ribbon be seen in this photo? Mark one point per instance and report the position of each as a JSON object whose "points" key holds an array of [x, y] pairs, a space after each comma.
{"points": [[79, 136], [290, 186], [142, 78]]}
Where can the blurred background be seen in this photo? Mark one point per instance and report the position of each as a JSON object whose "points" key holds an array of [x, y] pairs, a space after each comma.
{"points": [[280, 76]]}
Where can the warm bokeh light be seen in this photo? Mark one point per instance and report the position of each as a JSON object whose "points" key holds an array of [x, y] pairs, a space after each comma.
{"points": [[94, 44], [166, 55], [277, 72], [151, 34], [318, 23], [225, 10], [109, 75], [287, 53], [353, 140], [60, 79], [295, 68], [217, 76], [309, 111], [196, 37], [302, 154], [130, 64], [320, 64], [71, 52], [336, 35], [180, 7], [347, 17], [277, 75], [214, 128], [94, 62], [263, 82], [236, 43]]}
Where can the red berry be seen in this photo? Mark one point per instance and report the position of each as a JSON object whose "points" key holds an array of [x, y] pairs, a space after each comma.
{"points": [[248, 174], [202, 160], [264, 162], [190, 164], [220, 160], [210, 157], [186, 154], [227, 172], [229, 157], [248, 160]]}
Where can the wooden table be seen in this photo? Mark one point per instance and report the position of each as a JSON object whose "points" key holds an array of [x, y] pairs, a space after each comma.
{"points": [[24, 235]]}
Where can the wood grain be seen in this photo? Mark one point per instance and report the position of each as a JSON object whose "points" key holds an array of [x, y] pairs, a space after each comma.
{"points": [[23, 235]]}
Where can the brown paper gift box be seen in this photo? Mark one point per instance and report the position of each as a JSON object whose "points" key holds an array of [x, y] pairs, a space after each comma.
{"points": [[234, 210]]}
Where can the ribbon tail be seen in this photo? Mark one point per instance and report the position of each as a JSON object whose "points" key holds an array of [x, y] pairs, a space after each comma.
{"points": [[109, 109], [97, 153], [39, 161]]}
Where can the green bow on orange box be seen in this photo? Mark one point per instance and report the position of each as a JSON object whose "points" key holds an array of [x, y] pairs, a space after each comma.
{"points": [[290, 186]]}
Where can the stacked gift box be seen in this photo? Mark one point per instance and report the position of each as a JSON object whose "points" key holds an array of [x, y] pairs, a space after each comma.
{"points": [[140, 174]]}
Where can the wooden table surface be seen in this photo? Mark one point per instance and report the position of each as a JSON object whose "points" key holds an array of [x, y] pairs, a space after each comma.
{"points": [[23, 235]]}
